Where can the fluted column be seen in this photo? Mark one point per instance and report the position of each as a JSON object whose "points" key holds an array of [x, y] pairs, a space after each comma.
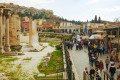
{"points": [[7, 44], [1, 32]]}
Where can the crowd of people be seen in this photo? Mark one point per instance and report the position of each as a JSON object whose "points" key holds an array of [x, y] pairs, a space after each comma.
{"points": [[97, 49]]}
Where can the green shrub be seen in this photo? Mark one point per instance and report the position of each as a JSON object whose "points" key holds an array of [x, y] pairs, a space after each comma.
{"points": [[59, 47]]}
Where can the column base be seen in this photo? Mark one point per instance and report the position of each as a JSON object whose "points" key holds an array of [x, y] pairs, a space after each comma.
{"points": [[7, 48], [1, 50]]}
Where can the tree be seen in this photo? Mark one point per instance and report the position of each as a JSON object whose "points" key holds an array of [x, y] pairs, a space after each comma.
{"points": [[99, 20], [92, 21], [95, 19]]}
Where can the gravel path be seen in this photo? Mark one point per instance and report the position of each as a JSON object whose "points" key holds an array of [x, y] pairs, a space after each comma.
{"points": [[30, 66]]}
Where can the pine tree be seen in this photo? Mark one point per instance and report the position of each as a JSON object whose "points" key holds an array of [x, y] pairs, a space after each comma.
{"points": [[99, 20], [95, 19]]}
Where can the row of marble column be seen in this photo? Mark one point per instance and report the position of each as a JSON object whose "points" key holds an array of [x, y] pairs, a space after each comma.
{"points": [[4, 29]]}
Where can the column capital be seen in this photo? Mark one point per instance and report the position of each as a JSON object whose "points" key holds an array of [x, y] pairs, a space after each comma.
{"points": [[1, 12], [6, 11]]}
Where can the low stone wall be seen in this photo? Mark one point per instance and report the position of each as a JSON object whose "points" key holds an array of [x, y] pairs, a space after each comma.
{"points": [[65, 76]]}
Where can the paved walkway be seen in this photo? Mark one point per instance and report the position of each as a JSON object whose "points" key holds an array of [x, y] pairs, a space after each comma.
{"points": [[81, 60]]}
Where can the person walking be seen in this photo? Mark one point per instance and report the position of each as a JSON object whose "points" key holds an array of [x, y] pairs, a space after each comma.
{"points": [[107, 61], [101, 66], [77, 45], [86, 71], [101, 50], [71, 45], [92, 73], [97, 63], [98, 74], [112, 71], [92, 59]]}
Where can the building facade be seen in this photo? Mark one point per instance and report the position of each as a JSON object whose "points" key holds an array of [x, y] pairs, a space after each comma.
{"points": [[67, 27]]}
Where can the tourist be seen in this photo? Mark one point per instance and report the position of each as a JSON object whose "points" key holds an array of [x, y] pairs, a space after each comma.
{"points": [[92, 59], [97, 63], [86, 71], [92, 73], [112, 71], [106, 48], [77, 45], [101, 66], [81, 45], [118, 73], [111, 49], [98, 75], [107, 61], [71, 45], [101, 50], [112, 60]]}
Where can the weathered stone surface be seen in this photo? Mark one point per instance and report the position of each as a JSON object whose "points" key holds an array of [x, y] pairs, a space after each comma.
{"points": [[27, 58], [11, 53], [49, 54], [47, 59], [14, 30], [39, 75], [44, 63]]}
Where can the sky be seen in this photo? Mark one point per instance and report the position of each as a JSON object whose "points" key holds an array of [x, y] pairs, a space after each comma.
{"points": [[82, 10]]}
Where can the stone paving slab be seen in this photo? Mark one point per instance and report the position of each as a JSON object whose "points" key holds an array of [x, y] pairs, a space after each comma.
{"points": [[80, 60]]}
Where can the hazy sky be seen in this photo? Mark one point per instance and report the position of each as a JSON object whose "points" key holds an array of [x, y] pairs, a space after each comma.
{"points": [[76, 9]]}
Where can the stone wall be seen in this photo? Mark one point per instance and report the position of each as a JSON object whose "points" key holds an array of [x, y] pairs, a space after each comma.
{"points": [[14, 30]]}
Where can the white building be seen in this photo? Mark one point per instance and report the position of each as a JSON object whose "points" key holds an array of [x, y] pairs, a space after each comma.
{"points": [[67, 27]]}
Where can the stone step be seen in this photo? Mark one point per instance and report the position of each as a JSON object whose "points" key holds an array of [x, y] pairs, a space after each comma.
{"points": [[13, 53]]}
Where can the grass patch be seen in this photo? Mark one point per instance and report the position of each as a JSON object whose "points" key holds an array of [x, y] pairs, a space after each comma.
{"points": [[54, 65], [52, 44], [12, 71], [4, 58]]}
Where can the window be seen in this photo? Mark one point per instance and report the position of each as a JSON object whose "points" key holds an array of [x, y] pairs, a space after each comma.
{"points": [[25, 25], [25, 29]]}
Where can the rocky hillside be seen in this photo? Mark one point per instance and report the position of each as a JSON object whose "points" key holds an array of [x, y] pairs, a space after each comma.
{"points": [[37, 13]]}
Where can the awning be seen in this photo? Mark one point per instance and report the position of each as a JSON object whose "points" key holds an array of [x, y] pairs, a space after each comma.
{"points": [[100, 31], [96, 36], [115, 40], [111, 36]]}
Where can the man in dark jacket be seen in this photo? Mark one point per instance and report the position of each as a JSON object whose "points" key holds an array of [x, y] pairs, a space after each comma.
{"points": [[92, 73], [112, 71]]}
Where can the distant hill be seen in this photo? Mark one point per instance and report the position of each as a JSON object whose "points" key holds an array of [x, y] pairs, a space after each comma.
{"points": [[37, 13]]}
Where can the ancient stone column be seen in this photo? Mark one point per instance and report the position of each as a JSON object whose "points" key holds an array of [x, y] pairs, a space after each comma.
{"points": [[7, 44], [1, 32], [30, 31]]}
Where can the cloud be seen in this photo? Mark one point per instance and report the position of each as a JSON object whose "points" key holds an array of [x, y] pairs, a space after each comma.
{"points": [[93, 1], [113, 9]]}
